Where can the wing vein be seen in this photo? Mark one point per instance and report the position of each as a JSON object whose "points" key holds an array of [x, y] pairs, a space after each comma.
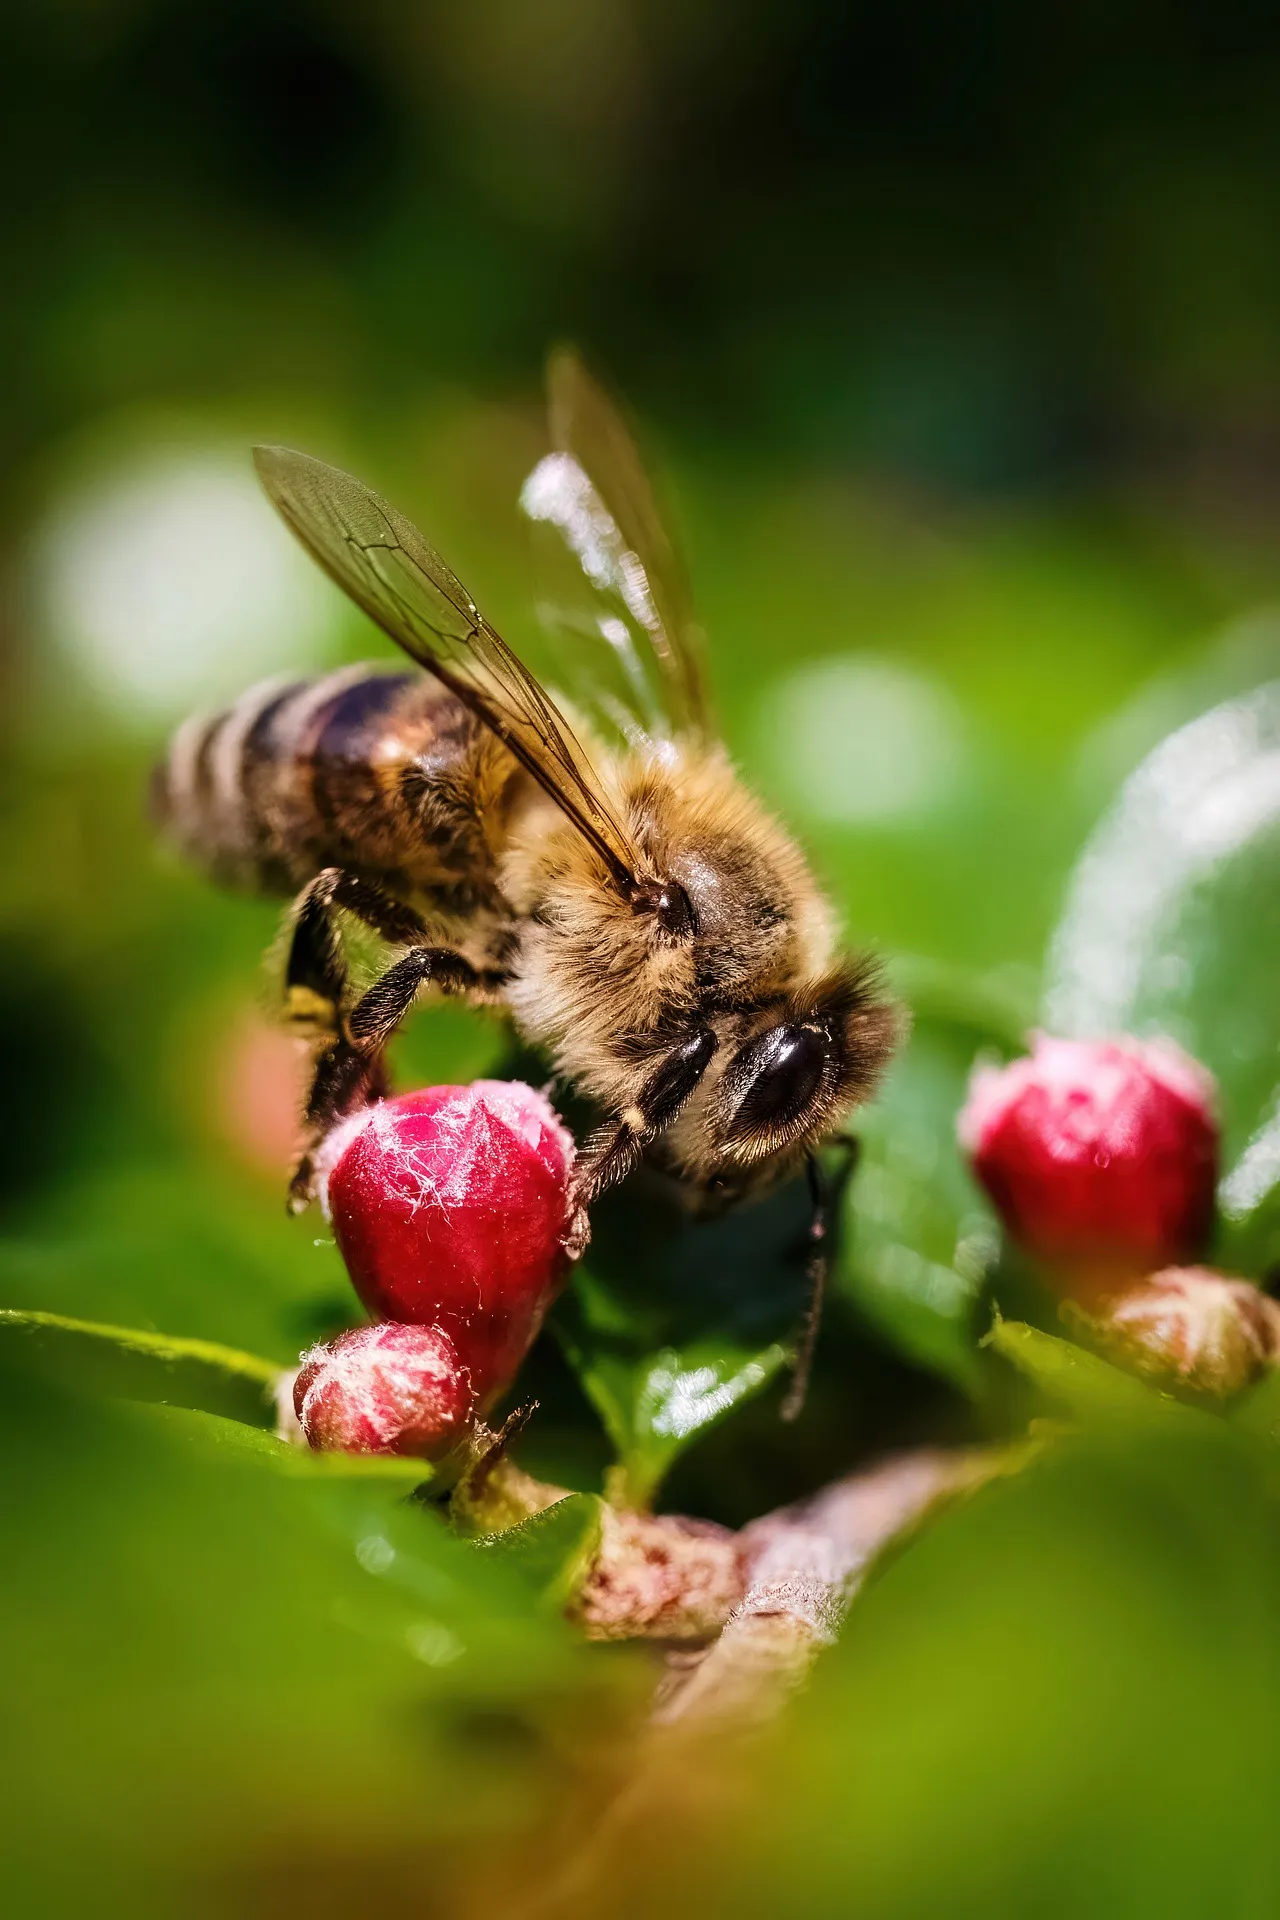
{"points": [[383, 563]]}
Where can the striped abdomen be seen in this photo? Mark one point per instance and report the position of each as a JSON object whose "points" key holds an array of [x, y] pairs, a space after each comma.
{"points": [[388, 774]]}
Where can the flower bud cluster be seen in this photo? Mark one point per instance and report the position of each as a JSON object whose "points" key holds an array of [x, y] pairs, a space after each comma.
{"points": [[1101, 1158], [453, 1210]]}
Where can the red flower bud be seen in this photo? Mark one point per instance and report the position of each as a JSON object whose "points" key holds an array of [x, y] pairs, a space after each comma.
{"points": [[384, 1389], [452, 1208], [1101, 1156], [1192, 1327]]}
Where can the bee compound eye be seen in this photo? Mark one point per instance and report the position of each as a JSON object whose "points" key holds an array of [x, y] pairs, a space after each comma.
{"points": [[780, 1071]]}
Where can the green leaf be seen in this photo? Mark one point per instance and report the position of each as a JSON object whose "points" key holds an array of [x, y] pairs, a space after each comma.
{"points": [[181, 1243], [133, 1364], [551, 1550], [1089, 1387], [1248, 1239], [654, 1405], [1061, 1698], [1259, 1410], [918, 1236], [301, 1672], [671, 1321], [230, 1439], [1172, 926]]}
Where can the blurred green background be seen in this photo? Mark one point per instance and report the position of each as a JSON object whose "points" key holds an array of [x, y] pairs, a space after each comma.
{"points": [[955, 339]]}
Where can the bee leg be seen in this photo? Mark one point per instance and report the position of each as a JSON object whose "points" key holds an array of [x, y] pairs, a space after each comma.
{"points": [[343, 1080], [816, 1273], [613, 1152], [378, 1013], [350, 1072], [315, 973], [344, 1077]]}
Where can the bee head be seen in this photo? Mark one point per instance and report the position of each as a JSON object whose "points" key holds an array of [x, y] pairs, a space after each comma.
{"points": [[812, 1059]]}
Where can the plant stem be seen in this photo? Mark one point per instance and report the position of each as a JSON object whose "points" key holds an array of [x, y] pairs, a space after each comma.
{"points": [[804, 1564]]}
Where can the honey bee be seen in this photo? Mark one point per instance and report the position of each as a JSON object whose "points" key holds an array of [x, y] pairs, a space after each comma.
{"points": [[598, 870]]}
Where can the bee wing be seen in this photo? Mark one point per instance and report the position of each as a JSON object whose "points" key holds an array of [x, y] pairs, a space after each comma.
{"points": [[616, 593], [381, 560]]}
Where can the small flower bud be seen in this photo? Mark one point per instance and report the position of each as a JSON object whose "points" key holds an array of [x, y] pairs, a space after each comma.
{"points": [[384, 1389], [1101, 1156], [1192, 1327], [453, 1207]]}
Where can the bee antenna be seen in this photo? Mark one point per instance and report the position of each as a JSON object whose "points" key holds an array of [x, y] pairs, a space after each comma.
{"points": [[816, 1274]]}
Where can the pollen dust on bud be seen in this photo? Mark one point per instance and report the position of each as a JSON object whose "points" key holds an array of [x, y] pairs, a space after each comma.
{"points": [[384, 1389]]}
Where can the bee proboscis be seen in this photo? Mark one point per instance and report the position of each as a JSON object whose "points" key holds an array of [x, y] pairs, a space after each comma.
{"points": [[600, 871]]}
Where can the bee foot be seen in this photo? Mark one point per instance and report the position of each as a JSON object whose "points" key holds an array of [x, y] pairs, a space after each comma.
{"points": [[577, 1235], [302, 1187]]}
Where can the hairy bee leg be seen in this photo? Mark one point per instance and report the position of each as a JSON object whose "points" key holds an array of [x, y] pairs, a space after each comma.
{"points": [[816, 1271], [614, 1151], [315, 973], [375, 1016], [346, 1076], [343, 1080], [350, 1072], [609, 1157], [343, 1077]]}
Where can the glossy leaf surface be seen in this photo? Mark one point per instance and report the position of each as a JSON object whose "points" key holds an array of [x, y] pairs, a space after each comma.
{"points": [[671, 1321], [1172, 925]]}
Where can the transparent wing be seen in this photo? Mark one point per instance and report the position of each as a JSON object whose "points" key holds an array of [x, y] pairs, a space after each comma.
{"points": [[381, 560], [612, 587]]}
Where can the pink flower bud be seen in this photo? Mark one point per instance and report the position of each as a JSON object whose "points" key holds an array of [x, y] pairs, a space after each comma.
{"points": [[453, 1208], [1101, 1156], [384, 1389], [1192, 1327]]}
